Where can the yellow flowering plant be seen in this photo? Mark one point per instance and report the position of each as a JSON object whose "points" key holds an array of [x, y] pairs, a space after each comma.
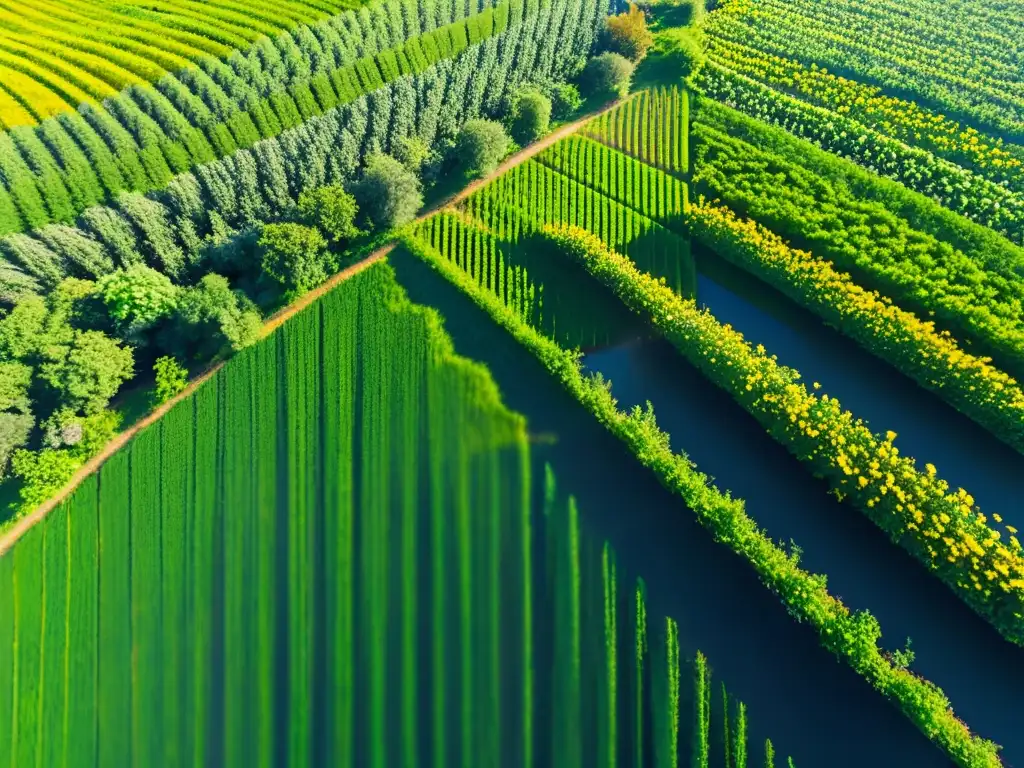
{"points": [[932, 358]]}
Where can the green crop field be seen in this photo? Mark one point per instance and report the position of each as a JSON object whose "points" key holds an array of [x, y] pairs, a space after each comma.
{"points": [[548, 383]]}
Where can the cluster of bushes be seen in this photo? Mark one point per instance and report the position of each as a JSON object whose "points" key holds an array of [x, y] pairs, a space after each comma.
{"points": [[852, 637], [174, 278]]}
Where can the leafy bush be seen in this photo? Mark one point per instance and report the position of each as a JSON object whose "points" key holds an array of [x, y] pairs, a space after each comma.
{"points": [[389, 194], [531, 116], [137, 297], [211, 317], [332, 210], [171, 378], [480, 146], [683, 50], [15, 429], [608, 74], [565, 100], [295, 257], [627, 33]]}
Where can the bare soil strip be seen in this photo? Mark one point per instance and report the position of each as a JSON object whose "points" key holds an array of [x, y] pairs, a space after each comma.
{"points": [[22, 525]]}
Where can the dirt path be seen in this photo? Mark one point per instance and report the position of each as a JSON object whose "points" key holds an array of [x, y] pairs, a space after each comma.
{"points": [[16, 531]]}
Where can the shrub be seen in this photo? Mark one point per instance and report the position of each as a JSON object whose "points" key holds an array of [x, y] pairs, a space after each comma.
{"points": [[389, 194], [531, 116], [15, 429], [211, 316], [295, 257], [137, 297], [565, 101], [608, 74], [628, 34], [684, 51], [332, 210], [480, 146], [171, 378]]}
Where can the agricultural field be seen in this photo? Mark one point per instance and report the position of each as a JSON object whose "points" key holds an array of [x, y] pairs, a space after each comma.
{"points": [[512, 383]]}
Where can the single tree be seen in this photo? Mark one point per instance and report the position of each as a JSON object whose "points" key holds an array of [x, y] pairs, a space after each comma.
{"points": [[295, 257], [531, 116], [332, 210], [627, 33], [137, 297], [480, 146], [608, 75], [389, 194]]}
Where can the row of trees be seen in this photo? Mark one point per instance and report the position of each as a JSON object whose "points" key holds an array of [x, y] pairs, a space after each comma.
{"points": [[139, 139]]}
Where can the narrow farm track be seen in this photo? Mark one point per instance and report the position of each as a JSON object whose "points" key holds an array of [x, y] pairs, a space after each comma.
{"points": [[23, 525]]}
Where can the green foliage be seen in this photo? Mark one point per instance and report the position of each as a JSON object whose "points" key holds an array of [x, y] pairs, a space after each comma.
{"points": [[295, 257], [332, 210], [42, 473], [565, 100], [87, 372], [481, 145], [902, 658], [137, 297], [627, 33], [212, 317], [171, 378], [15, 429], [15, 379], [23, 328], [531, 116], [607, 75], [389, 194], [683, 50], [412, 152]]}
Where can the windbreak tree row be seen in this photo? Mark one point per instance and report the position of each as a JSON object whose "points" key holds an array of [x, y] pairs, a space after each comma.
{"points": [[139, 140], [169, 229]]}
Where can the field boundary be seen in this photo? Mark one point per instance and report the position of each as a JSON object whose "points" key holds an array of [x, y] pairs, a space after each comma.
{"points": [[9, 538]]}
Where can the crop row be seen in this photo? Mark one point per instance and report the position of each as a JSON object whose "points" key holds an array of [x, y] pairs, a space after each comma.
{"points": [[932, 359], [335, 443], [73, 51], [900, 119], [960, 190], [139, 140], [169, 229], [976, 296], [852, 637], [651, 126], [963, 72], [642, 187]]}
